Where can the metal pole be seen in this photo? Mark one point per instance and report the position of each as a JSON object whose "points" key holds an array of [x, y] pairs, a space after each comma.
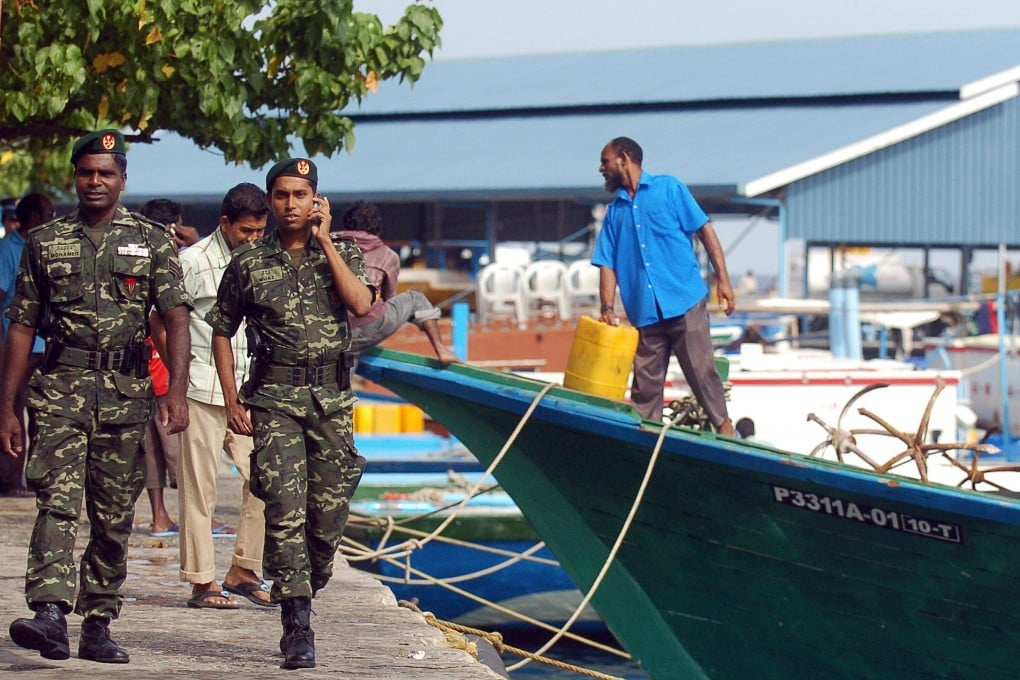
{"points": [[1000, 311], [459, 317]]}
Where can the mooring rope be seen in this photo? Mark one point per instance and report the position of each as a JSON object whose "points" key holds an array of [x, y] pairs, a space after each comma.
{"points": [[496, 640], [611, 557], [418, 543], [495, 606]]}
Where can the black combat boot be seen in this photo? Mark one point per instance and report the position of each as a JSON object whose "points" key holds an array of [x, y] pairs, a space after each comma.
{"points": [[46, 633], [298, 642], [95, 643]]}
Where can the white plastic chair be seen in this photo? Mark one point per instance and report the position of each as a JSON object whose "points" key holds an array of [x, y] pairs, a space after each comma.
{"points": [[512, 255], [582, 287], [501, 292], [545, 281]]}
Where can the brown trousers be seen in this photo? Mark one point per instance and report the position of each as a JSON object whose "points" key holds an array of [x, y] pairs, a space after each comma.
{"points": [[689, 338]]}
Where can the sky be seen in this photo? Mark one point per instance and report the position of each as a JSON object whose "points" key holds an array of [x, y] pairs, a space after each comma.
{"points": [[482, 28], [478, 28]]}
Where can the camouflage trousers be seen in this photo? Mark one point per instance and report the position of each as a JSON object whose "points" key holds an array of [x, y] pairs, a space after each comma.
{"points": [[70, 461], [305, 469]]}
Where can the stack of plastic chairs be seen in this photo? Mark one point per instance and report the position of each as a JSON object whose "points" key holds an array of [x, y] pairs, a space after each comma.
{"points": [[501, 293], [545, 283], [582, 288]]}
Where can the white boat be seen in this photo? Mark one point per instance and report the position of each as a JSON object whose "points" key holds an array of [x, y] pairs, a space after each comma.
{"points": [[796, 397], [779, 390], [977, 357]]}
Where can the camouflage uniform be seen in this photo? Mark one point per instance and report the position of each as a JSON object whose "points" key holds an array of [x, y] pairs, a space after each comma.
{"points": [[87, 413], [305, 466]]}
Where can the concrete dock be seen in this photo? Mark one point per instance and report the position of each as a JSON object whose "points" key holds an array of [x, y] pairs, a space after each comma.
{"points": [[360, 632]]}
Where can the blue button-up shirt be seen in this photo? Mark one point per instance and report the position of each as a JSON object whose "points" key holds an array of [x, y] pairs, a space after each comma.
{"points": [[647, 241], [10, 258]]}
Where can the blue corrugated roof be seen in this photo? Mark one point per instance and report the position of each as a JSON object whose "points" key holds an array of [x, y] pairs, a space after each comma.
{"points": [[763, 108], [546, 156], [902, 64]]}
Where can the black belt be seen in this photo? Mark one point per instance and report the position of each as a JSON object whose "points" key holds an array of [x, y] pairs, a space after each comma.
{"points": [[313, 376], [83, 358]]}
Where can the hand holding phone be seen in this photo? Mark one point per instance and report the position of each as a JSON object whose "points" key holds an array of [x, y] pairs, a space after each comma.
{"points": [[320, 214]]}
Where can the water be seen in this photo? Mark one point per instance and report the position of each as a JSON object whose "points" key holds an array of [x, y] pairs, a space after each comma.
{"points": [[573, 653]]}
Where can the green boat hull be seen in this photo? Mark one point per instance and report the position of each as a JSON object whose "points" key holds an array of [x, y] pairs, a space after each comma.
{"points": [[742, 561]]}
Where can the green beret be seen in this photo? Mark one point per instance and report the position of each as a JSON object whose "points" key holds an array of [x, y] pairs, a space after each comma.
{"points": [[100, 141], [293, 167]]}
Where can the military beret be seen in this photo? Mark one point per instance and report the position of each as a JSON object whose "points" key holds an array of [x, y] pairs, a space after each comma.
{"points": [[100, 141], [293, 167]]}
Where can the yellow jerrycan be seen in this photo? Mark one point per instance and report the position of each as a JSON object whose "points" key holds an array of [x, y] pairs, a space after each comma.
{"points": [[600, 358]]}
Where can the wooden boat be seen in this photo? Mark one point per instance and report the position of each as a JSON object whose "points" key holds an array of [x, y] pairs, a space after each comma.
{"points": [[742, 561]]}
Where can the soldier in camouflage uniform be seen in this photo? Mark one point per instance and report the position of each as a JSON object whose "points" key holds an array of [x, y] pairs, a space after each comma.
{"points": [[87, 283], [293, 289]]}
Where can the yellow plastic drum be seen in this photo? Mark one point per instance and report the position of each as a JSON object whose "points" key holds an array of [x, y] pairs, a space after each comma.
{"points": [[412, 418], [600, 358], [387, 419], [364, 418]]}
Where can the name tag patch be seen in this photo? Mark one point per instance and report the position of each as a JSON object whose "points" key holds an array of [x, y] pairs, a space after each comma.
{"points": [[133, 249], [868, 514], [267, 275], [60, 251]]}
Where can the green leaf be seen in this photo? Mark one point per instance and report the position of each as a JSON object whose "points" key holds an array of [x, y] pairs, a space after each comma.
{"points": [[207, 77]]}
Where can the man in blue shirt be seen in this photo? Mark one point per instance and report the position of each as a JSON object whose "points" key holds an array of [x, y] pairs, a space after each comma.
{"points": [[32, 210], [646, 247]]}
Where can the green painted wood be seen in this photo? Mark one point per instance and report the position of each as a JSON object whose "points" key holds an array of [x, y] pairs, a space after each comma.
{"points": [[719, 580]]}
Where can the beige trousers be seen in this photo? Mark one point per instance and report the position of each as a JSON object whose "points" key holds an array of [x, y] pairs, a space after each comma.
{"points": [[197, 471]]}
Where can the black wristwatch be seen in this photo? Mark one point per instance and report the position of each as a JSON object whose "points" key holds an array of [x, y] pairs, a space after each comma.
{"points": [[606, 308]]}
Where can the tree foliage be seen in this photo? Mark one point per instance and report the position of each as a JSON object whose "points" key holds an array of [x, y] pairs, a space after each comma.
{"points": [[241, 76]]}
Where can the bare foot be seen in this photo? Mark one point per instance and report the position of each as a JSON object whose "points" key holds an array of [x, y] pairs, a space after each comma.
{"points": [[726, 428], [446, 356], [160, 528]]}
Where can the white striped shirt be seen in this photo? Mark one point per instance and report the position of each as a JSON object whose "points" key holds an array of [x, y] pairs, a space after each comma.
{"points": [[203, 265]]}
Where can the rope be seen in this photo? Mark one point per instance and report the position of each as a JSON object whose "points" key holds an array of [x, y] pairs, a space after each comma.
{"points": [[403, 549], [352, 551], [611, 557], [994, 359], [446, 583], [417, 544], [496, 640], [495, 606]]}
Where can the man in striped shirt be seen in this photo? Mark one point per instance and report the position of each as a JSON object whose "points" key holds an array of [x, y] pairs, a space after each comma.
{"points": [[242, 220]]}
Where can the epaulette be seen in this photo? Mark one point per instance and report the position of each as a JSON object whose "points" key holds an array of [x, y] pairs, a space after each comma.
{"points": [[41, 226], [61, 218], [152, 223]]}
